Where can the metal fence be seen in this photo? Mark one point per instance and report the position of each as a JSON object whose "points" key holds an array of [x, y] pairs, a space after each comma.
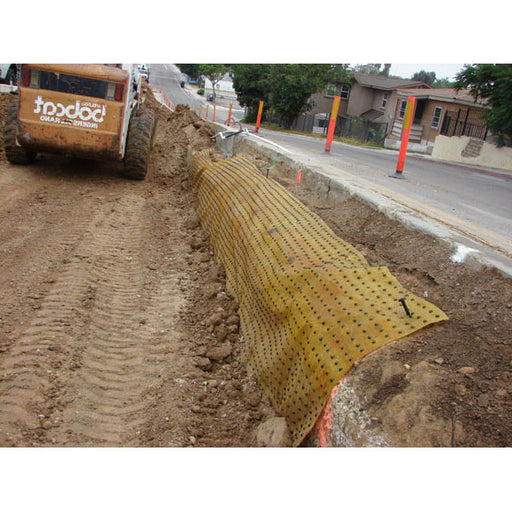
{"points": [[346, 126], [469, 123], [360, 129]]}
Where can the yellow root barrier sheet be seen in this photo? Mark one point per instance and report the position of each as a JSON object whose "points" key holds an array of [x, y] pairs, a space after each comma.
{"points": [[310, 305]]}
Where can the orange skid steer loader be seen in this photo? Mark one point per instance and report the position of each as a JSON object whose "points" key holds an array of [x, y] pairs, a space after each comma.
{"points": [[83, 110]]}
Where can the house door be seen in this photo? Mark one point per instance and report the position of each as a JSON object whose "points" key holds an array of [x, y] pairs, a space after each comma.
{"points": [[418, 112]]}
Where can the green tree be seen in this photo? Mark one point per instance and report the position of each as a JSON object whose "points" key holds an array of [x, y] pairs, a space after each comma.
{"points": [[286, 89], [491, 82], [429, 77], [291, 87], [250, 82], [443, 83], [338, 74], [214, 73], [192, 70]]}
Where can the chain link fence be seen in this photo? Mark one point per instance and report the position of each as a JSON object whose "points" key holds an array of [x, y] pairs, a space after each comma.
{"points": [[346, 126]]}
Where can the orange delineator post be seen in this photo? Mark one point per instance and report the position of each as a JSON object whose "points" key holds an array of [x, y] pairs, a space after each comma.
{"points": [[214, 109], [206, 116], [258, 120], [411, 101], [229, 115], [332, 122]]}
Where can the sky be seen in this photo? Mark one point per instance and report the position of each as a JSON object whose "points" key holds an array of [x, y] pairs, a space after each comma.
{"points": [[441, 70]]}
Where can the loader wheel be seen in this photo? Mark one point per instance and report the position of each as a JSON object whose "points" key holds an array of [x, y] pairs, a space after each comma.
{"points": [[138, 146], [15, 153]]}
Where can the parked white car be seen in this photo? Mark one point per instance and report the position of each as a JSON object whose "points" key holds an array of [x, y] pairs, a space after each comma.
{"points": [[144, 71]]}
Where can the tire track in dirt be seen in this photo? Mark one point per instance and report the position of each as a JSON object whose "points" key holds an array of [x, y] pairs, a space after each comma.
{"points": [[92, 320], [122, 353], [31, 371]]}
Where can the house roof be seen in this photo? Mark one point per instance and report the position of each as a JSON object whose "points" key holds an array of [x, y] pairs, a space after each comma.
{"points": [[385, 82], [448, 95]]}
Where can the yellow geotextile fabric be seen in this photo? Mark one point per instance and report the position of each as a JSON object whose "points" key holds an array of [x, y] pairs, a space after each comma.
{"points": [[310, 305]]}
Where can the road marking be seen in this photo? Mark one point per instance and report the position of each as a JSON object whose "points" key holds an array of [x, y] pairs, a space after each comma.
{"points": [[465, 227]]}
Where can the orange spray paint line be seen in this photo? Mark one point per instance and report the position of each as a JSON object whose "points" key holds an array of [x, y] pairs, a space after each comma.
{"points": [[258, 120], [332, 122], [323, 426], [411, 100], [299, 174], [229, 115]]}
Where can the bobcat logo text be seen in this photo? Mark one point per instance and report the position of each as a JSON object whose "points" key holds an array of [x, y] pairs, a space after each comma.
{"points": [[87, 115]]}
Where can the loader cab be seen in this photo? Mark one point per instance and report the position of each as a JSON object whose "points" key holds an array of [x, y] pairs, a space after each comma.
{"points": [[76, 109]]}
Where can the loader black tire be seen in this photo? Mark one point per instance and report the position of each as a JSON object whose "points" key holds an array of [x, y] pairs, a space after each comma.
{"points": [[15, 153], [138, 145]]}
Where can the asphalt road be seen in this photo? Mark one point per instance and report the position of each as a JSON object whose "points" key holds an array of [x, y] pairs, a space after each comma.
{"points": [[474, 200], [168, 78]]}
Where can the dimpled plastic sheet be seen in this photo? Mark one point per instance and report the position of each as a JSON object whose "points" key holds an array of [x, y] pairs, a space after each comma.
{"points": [[310, 305]]}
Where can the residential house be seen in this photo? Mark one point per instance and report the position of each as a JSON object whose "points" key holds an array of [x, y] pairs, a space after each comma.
{"points": [[368, 96], [437, 112]]}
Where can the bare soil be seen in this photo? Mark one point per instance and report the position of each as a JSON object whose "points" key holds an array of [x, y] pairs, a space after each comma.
{"points": [[112, 308], [447, 385]]}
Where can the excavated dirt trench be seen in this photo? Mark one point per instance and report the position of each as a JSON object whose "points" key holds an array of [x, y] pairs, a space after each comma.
{"points": [[116, 328]]}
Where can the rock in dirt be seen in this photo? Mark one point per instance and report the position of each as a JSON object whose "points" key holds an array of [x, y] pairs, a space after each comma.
{"points": [[460, 389], [204, 363], [221, 333], [210, 290], [253, 399], [233, 320], [215, 319], [192, 222], [220, 352], [196, 243], [273, 433]]}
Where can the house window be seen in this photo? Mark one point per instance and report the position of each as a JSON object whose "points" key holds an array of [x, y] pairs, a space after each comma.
{"points": [[384, 99], [436, 118], [337, 90], [403, 108], [331, 90]]}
